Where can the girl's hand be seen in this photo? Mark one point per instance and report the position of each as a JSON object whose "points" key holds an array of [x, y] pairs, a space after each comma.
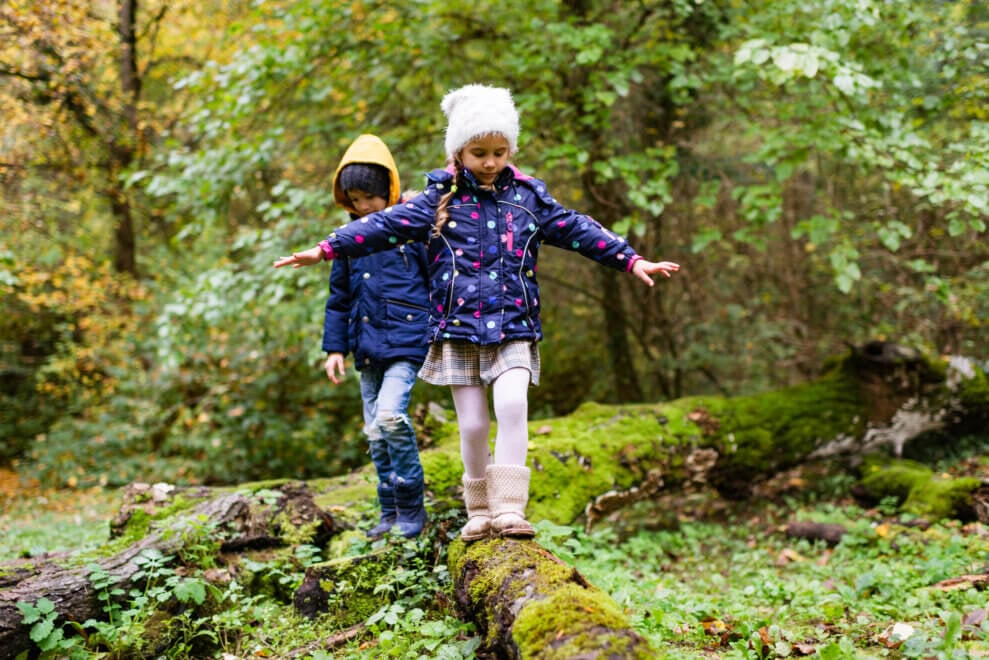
{"points": [[299, 259], [643, 269], [334, 367]]}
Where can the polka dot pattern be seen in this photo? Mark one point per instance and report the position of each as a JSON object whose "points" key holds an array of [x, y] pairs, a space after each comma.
{"points": [[483, 265]]}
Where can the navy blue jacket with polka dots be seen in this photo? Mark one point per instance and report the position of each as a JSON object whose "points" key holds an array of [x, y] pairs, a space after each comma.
{"points": [[482, 266]]}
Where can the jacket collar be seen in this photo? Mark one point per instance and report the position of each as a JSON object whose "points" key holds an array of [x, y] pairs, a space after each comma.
{"points": [[504, 178]]}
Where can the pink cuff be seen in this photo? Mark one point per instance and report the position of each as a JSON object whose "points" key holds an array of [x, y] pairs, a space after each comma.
{"points": [[328, 253], [631, 262]]}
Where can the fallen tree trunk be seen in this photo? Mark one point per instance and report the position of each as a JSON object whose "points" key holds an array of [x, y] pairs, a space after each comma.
{"points": [[161, 519], [874, 400], [529, 604]]}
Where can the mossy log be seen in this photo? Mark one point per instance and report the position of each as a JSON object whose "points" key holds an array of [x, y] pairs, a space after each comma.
{"points": [[529, 604], [874, 400], [168, 520]]}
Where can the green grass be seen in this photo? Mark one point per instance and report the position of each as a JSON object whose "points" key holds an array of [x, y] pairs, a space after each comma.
{"points": [[726, 588], [55, 521], [698, 576]]}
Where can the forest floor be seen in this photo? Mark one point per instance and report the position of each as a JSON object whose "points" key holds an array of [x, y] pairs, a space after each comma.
{"points": [[698, 576]]}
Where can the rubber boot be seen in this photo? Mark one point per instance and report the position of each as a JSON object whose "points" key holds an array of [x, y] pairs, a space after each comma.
{"points": [[478, 518], [389, 514], [409, 501], [508, 493]]}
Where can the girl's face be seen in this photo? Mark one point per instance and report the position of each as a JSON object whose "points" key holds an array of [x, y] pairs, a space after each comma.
{"points": [[364, 202], [485, 157]]}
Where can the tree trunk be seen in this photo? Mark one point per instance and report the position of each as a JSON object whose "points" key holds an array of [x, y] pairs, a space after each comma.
{"points": [[529, 604], [625, 380], [233, 521], [124, 148]]}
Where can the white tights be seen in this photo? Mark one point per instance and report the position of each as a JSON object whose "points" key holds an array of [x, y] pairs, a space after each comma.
{"points": [[511, 408]]}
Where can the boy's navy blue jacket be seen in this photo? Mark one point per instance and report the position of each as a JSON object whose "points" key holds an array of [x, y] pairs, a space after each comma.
{"points": [[377, 307], [378, 304]]}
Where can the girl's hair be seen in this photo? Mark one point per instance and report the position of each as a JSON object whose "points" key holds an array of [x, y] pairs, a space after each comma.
{"points": [[442, 214]]}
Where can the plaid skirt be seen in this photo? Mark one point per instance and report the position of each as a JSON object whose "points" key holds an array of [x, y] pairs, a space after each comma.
{"points": [[464, 363]]}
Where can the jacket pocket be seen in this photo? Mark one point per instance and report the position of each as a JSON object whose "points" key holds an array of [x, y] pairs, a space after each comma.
{"points": [[406, 323]]}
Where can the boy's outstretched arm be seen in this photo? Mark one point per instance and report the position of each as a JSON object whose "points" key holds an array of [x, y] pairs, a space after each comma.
{"points": [[643, 269], [309, 257]]}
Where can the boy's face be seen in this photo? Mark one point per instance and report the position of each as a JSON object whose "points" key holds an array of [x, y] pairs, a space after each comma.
{"points": [[485, 157], [364, 202]]}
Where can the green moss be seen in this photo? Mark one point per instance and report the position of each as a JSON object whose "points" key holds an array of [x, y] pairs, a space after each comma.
{"points": [[562, 625], [507, 572], [918, 489], [941, 498], [897, 479], [456, 552], [292, 534], [974, 392], [350, 582], [783, 426]]}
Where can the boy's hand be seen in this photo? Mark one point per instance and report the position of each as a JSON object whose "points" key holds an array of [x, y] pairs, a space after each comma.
{"points": [[334, 367], [298, 259], [643, 269]]}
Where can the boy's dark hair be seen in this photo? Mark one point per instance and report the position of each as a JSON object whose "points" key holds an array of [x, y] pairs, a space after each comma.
{"points": [[368, 177]]}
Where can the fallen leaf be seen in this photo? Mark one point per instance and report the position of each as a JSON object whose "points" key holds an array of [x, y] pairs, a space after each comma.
{"points": [[975, 618], [714, 627], [805, 648], [788, 555]]}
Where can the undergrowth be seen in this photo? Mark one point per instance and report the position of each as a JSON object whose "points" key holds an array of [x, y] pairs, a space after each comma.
{"points": [[698, 577]]}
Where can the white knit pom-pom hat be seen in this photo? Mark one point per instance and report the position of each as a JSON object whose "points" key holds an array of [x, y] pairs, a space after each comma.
{"points": [[478, 110]]}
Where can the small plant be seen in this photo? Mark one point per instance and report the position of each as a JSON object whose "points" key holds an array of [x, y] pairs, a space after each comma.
{"points": [[50, 638]]}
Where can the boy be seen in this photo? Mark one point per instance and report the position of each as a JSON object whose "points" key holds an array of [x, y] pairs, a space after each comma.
{"points": [[378, 311]]}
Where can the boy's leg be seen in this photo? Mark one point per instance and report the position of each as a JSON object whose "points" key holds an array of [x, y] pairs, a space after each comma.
{"points": [[370, 384], [398, 434], [471, 403]]}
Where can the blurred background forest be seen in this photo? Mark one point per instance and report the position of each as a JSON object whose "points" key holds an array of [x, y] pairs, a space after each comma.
{"points": [[820, 171]]}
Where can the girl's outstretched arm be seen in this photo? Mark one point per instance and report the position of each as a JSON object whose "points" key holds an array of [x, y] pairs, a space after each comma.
{"points": [[643, 269], [299, 259]]}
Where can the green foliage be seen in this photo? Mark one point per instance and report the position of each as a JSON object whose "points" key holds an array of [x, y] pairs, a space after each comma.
{"points": [[50, 638], [794, 157], [697, 576], [739, 589]]}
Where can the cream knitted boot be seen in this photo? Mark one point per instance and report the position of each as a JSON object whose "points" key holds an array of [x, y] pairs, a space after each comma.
{"points": [[508, 493], [478, 518]]}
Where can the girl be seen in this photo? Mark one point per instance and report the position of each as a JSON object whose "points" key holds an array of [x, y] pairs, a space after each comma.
{"points": [[483, 222]]}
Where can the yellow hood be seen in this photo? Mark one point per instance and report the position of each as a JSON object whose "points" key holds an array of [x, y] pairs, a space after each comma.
{"points": [[367, 149]]}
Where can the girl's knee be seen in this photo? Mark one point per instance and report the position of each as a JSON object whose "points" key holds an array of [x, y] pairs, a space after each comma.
{"points": [[512, 409]]}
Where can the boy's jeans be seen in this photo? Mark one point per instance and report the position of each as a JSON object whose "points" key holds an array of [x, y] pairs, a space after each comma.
{"points": [[387, 425]]}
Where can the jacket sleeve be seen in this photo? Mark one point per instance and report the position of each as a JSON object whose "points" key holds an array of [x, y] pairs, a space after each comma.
{"points": [[408, 221], [336, 324], [570, 230]]}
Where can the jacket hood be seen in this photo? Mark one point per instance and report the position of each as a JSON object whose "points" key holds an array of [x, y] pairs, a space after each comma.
{"points": [[367, 149]]}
